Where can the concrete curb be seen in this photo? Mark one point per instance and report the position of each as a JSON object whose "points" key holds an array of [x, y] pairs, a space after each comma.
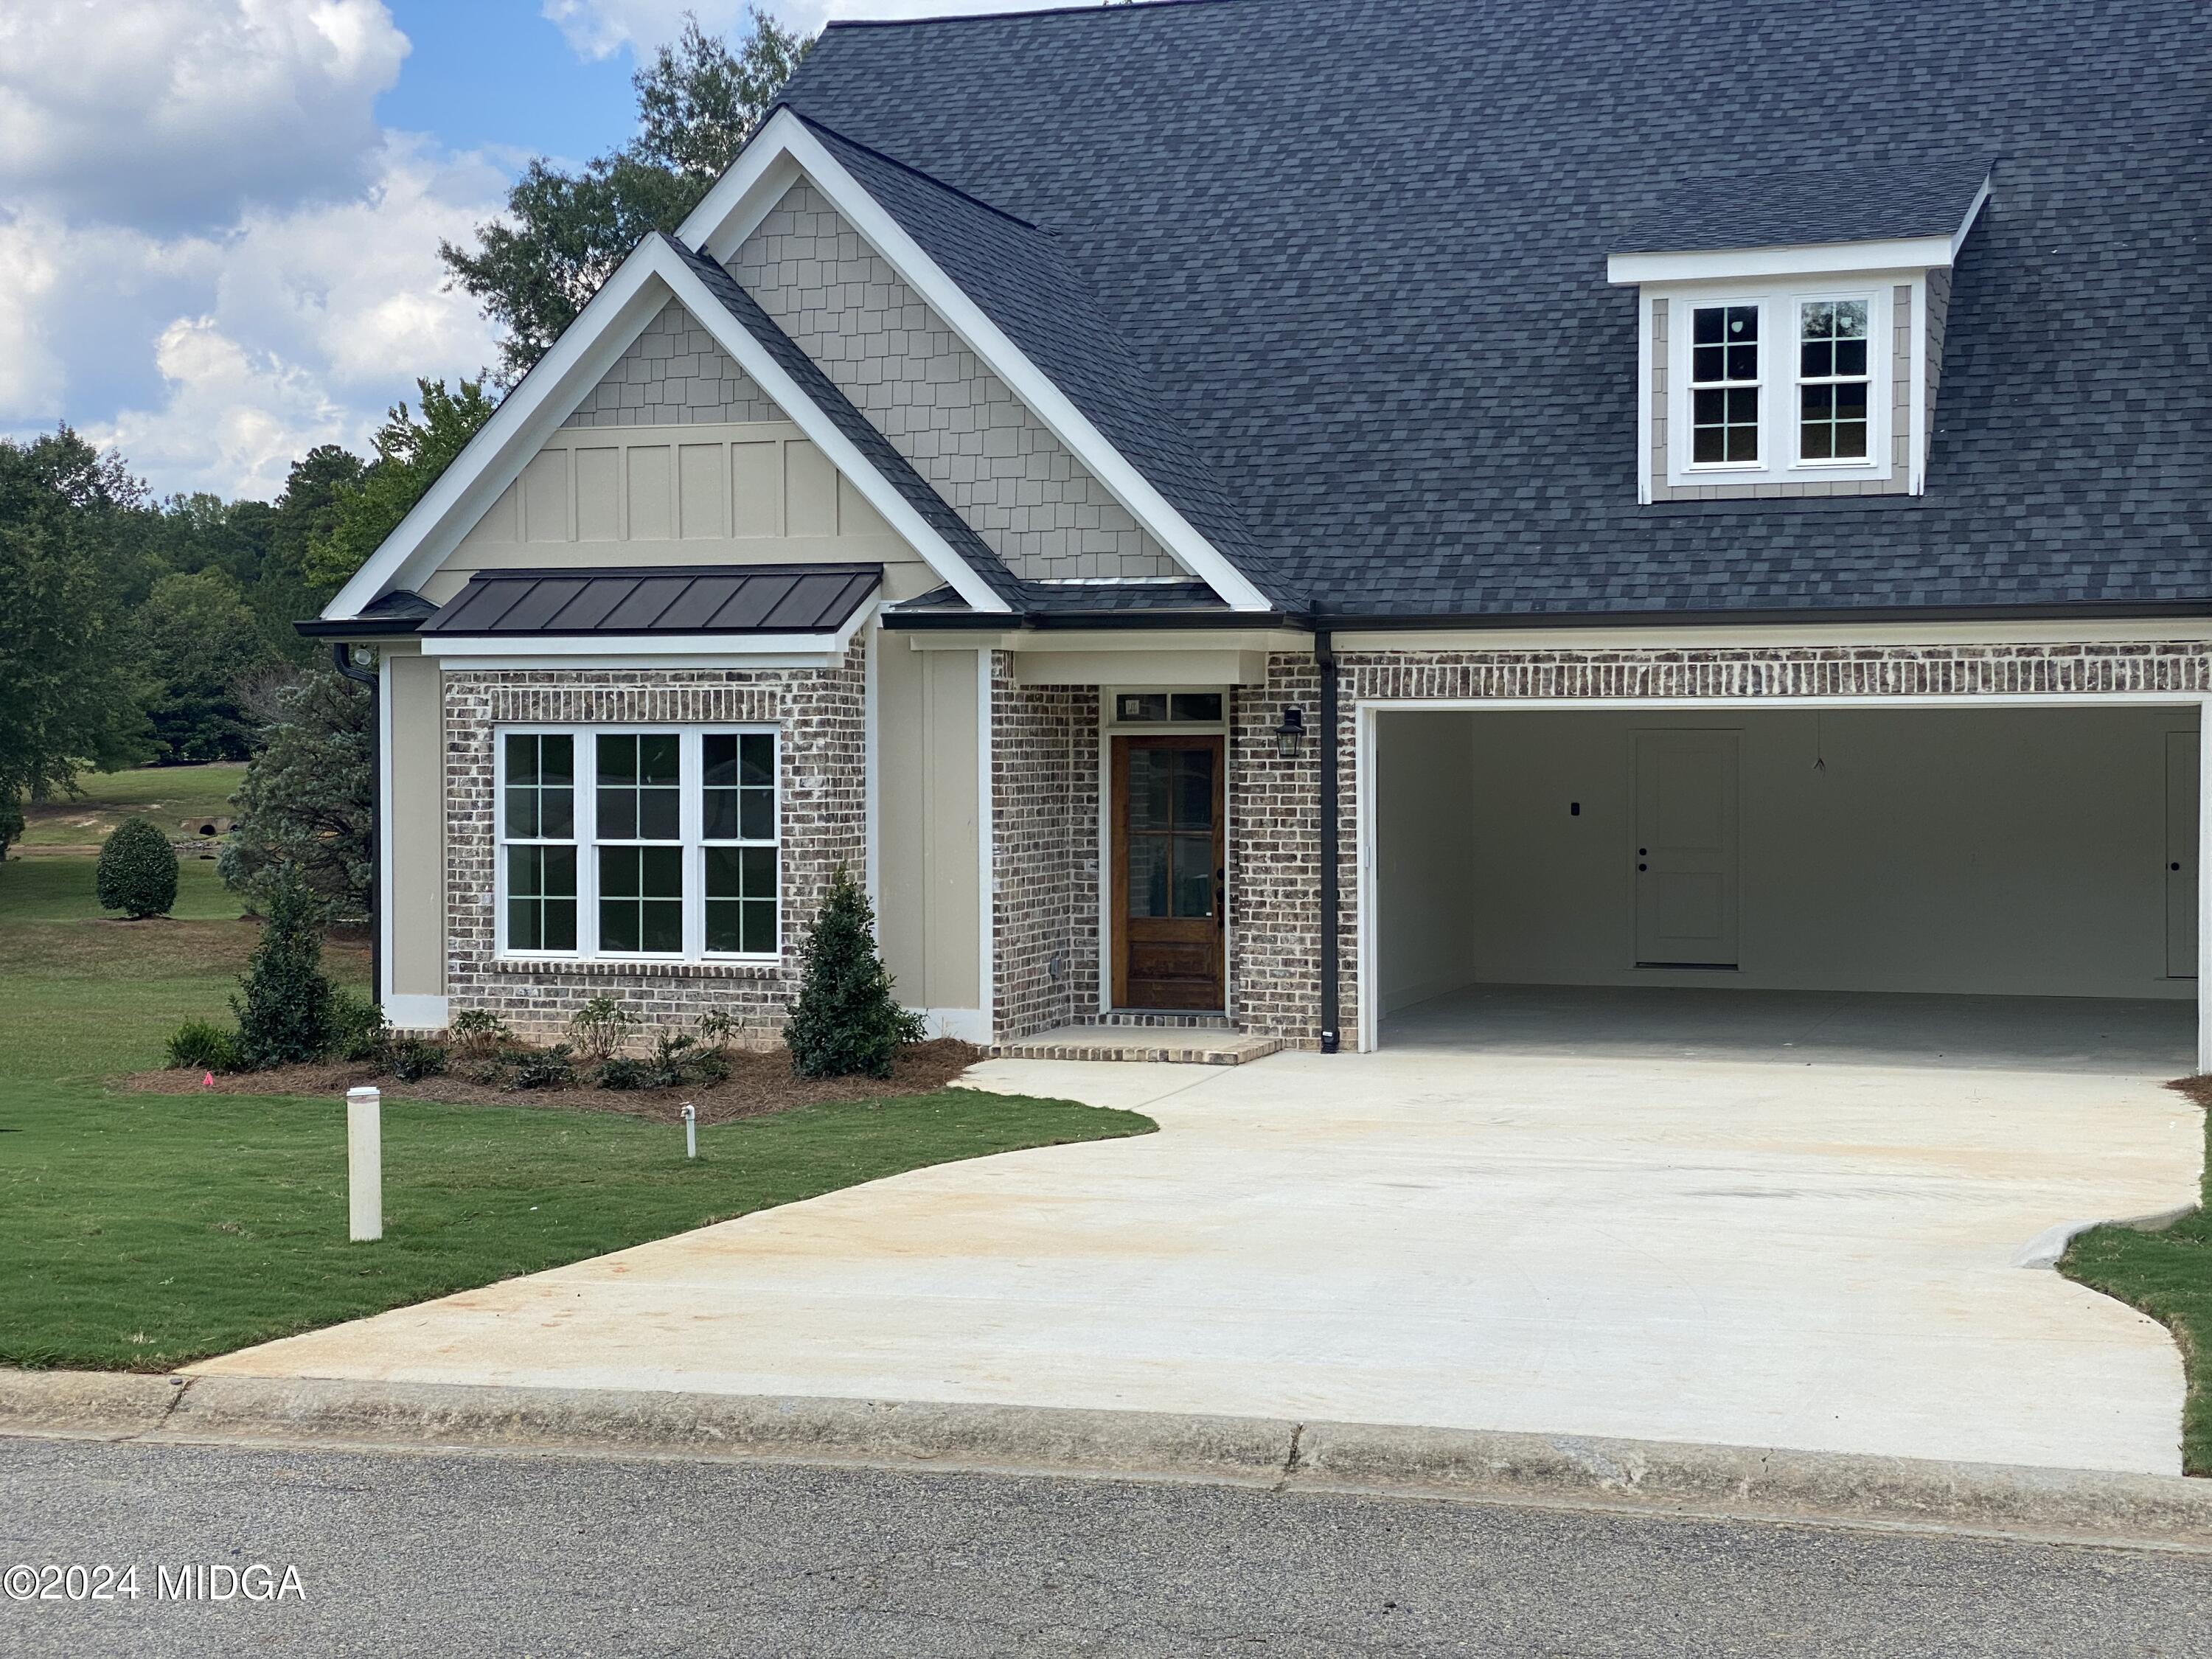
{"points": [[1563, 1470], [2048, 1247]]}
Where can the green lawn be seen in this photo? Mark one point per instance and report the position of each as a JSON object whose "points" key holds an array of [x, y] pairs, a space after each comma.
{"points": [[2169, 1276], [144, 1230], [167, 794]]}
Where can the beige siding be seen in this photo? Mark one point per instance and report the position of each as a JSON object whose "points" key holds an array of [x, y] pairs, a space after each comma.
{"points": [[417, 828], [926, 832], [674, 374]]}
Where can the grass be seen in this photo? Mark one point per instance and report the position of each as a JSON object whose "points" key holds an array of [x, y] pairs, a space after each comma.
{"points": [[141, 1232], [2168, 1275], [167, 794]]}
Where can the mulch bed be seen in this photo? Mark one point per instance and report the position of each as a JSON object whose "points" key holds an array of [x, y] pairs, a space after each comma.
{"points": [[760, 1081]]}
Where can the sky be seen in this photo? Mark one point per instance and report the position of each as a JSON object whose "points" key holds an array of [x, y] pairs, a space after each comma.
{"points": [[220, 219]]}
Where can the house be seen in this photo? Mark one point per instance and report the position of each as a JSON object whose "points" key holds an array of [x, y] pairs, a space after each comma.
{"points": [[1601, 495]]}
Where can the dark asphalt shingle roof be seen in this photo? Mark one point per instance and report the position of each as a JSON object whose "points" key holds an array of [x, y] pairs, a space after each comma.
{"points": [[1017, 274], [1791, 207], [1356, 249], [858, 430], [688, 599]]}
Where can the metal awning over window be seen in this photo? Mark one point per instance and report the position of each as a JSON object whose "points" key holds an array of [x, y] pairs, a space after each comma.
{"points": [[687, 602]]}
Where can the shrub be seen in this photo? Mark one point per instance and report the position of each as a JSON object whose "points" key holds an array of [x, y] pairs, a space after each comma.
{"points": [[410, 1058], [478, 1033], [716, 1030], [846, 1022], [599, 1027], [358, 1029], [551, 1068], [623, 1072], [204, 1047], [138, 872], [285, 1015]]}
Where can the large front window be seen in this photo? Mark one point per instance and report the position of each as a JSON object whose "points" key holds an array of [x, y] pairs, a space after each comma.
{"points": [[668, 847]]}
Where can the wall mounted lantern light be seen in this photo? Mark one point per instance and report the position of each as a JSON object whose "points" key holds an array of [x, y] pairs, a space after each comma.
{"points": [[1291, 735]]}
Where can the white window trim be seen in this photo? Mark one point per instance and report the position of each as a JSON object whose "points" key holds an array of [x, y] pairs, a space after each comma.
{"points": [[690, 770], [1778, 429]]}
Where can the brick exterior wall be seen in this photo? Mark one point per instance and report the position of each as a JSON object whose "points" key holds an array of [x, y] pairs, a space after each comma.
{"points": [[963, 428], [674, 374], [820, 714], [1275, 987], [1044, 853]]}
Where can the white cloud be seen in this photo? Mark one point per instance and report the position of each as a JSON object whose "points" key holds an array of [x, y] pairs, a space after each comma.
{"points": [[599, 29], [211, 256], [212, 361], [182, 113]]}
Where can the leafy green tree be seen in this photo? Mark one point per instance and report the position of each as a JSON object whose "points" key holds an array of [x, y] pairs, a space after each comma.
{"points": [[846, 1022], [304, 513], [70, 686], [566, 232], [137, 871], [284, 1015], [409, 456], [304, 806], [203, 643]]}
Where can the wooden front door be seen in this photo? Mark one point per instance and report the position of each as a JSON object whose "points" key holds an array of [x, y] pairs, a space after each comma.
{"points": [[1170, 872]]}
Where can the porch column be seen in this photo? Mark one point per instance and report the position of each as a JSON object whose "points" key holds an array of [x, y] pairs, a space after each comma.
{"points": [[2204, 891]]}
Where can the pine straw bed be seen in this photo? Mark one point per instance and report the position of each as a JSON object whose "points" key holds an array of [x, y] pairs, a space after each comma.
{"points": [[760, 1081]]}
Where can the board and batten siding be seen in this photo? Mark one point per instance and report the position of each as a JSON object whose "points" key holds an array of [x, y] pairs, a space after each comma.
{"points": [[928, 873], [745, 493], [418, 826]]}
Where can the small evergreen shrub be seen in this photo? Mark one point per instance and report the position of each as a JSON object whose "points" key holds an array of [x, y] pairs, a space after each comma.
{"points": [[846, 1022], [138, 872], [410, 1058], [358, 1029], [204, 1047], [599, 1027], [625, 1073], [550, 1068], [284, 1016]]}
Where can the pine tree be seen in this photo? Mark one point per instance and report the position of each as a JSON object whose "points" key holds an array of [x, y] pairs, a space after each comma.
{"points": [[286, 1014], [846, 1022]]}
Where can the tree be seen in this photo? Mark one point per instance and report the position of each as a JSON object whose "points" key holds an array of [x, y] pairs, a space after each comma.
{"points": [[69, 680], [137, 871], [203, 642], [567, 232], [409, 456], [846, 1022], [284, 1016], [304, 807], [303, 515]]}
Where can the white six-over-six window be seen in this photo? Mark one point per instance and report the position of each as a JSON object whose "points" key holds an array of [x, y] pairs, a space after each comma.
{"points": [[647, 843], [1778, 384]]}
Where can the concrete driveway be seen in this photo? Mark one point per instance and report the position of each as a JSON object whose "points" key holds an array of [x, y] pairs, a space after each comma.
{"points": [[1742, 1249]]}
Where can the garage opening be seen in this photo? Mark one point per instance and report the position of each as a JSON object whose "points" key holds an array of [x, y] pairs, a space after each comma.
{"points": [[1997, 881]]}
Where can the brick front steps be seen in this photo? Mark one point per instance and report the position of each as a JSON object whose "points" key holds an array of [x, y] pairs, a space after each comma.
{"points": [[1201, 1047]]}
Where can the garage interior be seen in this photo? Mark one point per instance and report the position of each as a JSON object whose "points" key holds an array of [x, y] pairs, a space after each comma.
{"points": [[1992, 882]]}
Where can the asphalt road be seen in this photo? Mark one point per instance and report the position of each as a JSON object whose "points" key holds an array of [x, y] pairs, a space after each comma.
{"points": [[403, 1553]]}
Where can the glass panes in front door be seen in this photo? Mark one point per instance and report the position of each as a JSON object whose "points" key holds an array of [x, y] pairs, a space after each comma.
{"points": [[1170, 833]]}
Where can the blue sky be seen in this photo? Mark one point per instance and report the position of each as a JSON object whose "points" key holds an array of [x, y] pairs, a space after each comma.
{"points": [[220, 219]]}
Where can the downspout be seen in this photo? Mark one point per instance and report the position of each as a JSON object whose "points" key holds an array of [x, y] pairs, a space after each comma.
{"points": [[341, 660], [1325, 659]]}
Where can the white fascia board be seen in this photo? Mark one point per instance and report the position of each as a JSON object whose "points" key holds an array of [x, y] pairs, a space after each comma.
{"points": [[1742, 264], [529, 415], [784, 149]]}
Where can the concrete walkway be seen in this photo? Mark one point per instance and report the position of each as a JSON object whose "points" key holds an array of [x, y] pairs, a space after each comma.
{"points": [[1752, 1251]]}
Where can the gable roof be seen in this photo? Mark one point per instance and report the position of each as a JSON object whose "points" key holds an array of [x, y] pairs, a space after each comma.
{"points": [[660, 268], [1359, 247]]}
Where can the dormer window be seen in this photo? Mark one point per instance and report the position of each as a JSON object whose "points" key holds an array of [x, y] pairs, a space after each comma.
{"points": [[1773, 384], [1791, 335], [1724, 386]]}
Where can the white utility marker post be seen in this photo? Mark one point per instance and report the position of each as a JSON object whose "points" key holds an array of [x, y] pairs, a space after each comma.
{"points": [[364, 1164], [690, 1130]]}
